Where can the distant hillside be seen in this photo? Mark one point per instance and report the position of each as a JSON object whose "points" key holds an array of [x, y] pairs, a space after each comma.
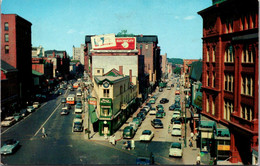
{"points": [[175, 60]]}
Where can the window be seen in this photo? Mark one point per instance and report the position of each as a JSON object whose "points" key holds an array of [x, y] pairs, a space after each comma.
{"points": [[105, 112], [207, 78], [228, 109], [229, 82], [6, 26], [246, 112], [146, 46], [213, 79], [229, 26], [248, 54], [208, 54], [207, 104], [214, 54], [98, 71], [247, 87], [229, 54], [6, 37], [213, 106], [7, 49], [106, 93]]}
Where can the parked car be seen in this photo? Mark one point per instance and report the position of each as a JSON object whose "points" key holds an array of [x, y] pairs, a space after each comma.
{"points": [[30, 109], [144, 111], [160, 89], [145, 158], [134, 125], [77, 125], [141, 115], [176, 114], [24, 112], [9, 146], [157, 123], [17, 116], [78, 108], [172, 107], [64, 112], [8, 121], [164, 100], [159, 114], [147, 135], [128, 132], [137, 120], [63, 100], [152, 111], [159, 106], [168, 88], [149, 105], [173, 120], [176, 124], [175, 149], [147, 108], [176, 131], [36, 104]]}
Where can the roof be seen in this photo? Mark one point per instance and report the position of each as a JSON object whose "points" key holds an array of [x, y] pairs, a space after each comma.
{"points": [[34, 72], [113, 72], [196, 71], [7, 67], [110, 79]]}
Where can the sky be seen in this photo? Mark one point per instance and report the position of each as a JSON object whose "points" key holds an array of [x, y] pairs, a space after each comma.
{"points": [[60, 24]]}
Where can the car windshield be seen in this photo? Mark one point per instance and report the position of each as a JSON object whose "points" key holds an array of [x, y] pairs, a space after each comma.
{"points": [[146, 132], [78, 106], [176, 129], [160, 111], [177, 122], [10, 142], [176, 145], [157, 121], [176, 113]]}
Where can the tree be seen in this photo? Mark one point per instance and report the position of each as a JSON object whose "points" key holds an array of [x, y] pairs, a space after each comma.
{"points": [[177, 70]]}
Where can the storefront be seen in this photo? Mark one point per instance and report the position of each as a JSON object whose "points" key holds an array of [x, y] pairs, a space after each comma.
{"points": [[206, 135], [222, 143], [105, 119]]}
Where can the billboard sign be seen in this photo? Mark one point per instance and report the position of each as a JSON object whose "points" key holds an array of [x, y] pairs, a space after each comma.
{"points": [[122, 43], [103, 41]]}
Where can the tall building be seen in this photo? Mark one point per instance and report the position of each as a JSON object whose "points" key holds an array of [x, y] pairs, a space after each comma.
{"points": [[164, 66], [78, 53], [230, 77], [16, 50]]}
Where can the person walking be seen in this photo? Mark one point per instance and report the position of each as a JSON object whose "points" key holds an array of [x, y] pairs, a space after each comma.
{"points": [[43, 133], [190, 143], [133, 144], [198, 160], [114, 140]]}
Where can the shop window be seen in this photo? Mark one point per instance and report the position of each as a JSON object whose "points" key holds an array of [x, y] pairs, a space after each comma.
{"points": [[105, 111], [106, 93], [6, 37], [6, 26], [7, 49]]}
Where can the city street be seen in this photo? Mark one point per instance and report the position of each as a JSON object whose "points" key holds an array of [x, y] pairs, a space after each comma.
{"points": [[62, 146]]}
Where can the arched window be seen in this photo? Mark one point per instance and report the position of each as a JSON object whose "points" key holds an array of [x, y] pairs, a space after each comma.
{"points": [[229, 54]]}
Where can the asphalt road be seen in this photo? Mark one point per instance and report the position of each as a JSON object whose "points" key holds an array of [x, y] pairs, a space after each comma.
{"points": [[62, 146]]}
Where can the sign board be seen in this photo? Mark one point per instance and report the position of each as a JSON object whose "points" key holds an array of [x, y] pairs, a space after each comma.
{"points": [[121, 43], [224, 147], [105, 101], [92, 101], [103, 41]]}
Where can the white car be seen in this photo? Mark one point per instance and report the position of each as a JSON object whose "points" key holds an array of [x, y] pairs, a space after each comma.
{"points": [[177, 124], [176, 131], [78, 93], [30, 109], [8, 121], [176, 114], [147, 108], [152, 111], [147, 135], [78, 108], [175, 149], [36, 104]]}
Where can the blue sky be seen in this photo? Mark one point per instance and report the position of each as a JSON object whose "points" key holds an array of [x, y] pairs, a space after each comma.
{"points": [[60, 24]]}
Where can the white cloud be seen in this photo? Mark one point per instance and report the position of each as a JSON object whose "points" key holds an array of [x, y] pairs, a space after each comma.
{"points": [[82, 32], [71, 31], [176, 17], [189, 17]]}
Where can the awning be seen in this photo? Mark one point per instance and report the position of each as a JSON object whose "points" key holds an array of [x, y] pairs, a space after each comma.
{"points": [[92, 113], [36, 73]]}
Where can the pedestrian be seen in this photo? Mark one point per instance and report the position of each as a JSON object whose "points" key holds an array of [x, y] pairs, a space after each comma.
{"points": [[43, 133], [133, 144], [192, 135], [128, 145], [198, 159], [110, 139], [190, 143], [215, 161], [114, 140]]}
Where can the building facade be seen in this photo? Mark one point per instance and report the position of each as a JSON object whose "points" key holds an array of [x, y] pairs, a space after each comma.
{"points": [[78, 53], [38, 52], [115, 96], [16, 50], [230, 73]]}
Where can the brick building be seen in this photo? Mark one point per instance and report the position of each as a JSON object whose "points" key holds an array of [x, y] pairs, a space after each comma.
{"points": [[16, 50], [186, 71], [230, 74], [78, 53]]}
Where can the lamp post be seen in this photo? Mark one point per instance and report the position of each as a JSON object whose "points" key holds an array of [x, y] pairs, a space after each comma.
{"points": [[185, 120]]}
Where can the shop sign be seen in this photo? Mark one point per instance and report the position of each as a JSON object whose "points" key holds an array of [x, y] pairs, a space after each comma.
{"points": [[224, 147], [92, 101], [122, 43], [105, 101], [198, 101], [103, 41]]}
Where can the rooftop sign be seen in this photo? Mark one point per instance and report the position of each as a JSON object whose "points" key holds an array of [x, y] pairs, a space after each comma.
{"points": [[121, 43], [103, 41]]}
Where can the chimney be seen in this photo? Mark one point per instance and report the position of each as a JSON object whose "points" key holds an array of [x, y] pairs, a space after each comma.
{"points": [[121, 70], [130, 75]]}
